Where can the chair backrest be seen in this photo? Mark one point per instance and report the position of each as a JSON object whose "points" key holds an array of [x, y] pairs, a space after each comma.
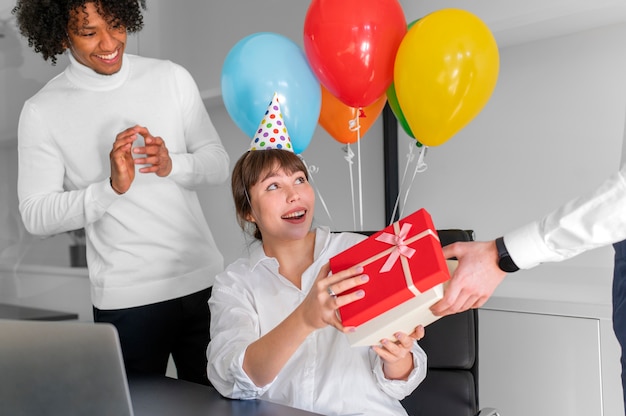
{"points": [[451, 344]]}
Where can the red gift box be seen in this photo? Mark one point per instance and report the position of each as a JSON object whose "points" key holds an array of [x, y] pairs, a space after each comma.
{"points": [[407, 269]]}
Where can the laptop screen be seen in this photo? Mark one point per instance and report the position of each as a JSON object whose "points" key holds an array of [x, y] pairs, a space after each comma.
{"points": [[62, 368]]}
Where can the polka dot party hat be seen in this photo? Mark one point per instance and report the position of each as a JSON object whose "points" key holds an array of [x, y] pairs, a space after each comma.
{"points": [[272, 132]]}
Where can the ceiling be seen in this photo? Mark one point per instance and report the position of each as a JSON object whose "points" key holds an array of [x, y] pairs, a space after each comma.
{"points": [[519, 21]]}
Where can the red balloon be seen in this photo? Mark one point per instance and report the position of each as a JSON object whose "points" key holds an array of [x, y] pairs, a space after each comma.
{"points": [[351, 46]]}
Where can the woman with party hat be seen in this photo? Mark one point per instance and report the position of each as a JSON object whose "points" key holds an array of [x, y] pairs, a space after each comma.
{"points": [[275, 334]]}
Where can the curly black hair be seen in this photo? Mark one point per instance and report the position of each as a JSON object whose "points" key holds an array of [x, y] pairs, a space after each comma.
{"points": [[45, 22]]}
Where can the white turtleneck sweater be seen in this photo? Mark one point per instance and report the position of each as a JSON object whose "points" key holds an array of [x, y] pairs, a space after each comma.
{"points": [[152, 243]]}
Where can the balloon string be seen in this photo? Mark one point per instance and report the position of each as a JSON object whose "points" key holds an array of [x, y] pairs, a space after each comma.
{"points": [[353, 125], [312, 171], [409, 159], [348, 157], [358, 143], [420, 167]]}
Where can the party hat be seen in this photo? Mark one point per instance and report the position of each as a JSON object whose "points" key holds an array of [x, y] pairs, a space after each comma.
{"points": [[272, 132]]}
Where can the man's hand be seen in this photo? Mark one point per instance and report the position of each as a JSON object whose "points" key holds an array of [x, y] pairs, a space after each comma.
{"points": [[474, 280], [156, 155], [121, 159]]}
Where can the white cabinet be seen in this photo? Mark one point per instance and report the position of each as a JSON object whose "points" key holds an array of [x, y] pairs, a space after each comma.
{"points": [[540, 364], [547, 346]]}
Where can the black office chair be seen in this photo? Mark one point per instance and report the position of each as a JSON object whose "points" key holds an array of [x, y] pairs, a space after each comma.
{"points": [[451, 344]]}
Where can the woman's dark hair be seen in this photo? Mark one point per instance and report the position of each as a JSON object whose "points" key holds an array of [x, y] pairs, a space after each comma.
{"points": [[248, 171], [45, 23]]}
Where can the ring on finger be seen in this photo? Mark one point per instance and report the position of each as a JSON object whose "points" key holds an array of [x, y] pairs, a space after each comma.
{"points": [[330, 292]]}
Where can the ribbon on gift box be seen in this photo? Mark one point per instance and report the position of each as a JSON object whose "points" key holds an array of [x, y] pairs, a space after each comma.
{"points": [[400, 250]]}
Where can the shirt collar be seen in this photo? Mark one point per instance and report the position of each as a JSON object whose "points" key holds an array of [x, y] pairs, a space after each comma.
{"points": [[87, 78], [257, 254]]}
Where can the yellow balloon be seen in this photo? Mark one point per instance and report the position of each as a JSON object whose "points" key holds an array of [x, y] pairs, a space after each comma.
{"points": [[444, 73]]}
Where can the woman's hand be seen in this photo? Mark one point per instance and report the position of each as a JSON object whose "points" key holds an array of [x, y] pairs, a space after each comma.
{"points": [[328, 294], [396, 356]]}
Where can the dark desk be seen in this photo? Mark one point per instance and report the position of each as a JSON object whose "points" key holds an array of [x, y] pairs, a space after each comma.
{"points": [[163, 396], [33, 314]]}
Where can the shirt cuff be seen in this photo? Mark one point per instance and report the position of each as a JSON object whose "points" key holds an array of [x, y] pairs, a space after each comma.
{"points": [[176, 162], [244, 387], [526, 247], [399, 389], [102, 193]]}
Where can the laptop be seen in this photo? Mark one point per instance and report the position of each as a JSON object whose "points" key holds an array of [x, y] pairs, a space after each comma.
{"points": [[62, 368]]}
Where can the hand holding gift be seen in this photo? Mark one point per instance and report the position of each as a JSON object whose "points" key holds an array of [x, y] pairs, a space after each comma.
{"points": [[407, 270], [331, 292]]}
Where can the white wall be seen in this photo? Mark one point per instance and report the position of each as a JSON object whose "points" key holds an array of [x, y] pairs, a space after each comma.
{"points": [[22, 73], [552, 130], [202, 39]]}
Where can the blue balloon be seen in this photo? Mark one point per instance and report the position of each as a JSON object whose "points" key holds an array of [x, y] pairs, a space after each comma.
{"points": [[265, 63]]}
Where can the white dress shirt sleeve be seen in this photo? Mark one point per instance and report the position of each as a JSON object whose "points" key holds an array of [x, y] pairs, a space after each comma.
{"points": [[230, 338], [584, 223]]}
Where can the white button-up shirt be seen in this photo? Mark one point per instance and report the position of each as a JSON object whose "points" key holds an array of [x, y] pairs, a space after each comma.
{"points": [[325, 375], [587, 222]]}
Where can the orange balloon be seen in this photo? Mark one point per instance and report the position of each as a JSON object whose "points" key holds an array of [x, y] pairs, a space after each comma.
{"points": [[337, 118]]}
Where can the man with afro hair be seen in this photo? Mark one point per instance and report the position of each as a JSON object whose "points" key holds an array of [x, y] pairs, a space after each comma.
{"points": [[117, 144]]}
